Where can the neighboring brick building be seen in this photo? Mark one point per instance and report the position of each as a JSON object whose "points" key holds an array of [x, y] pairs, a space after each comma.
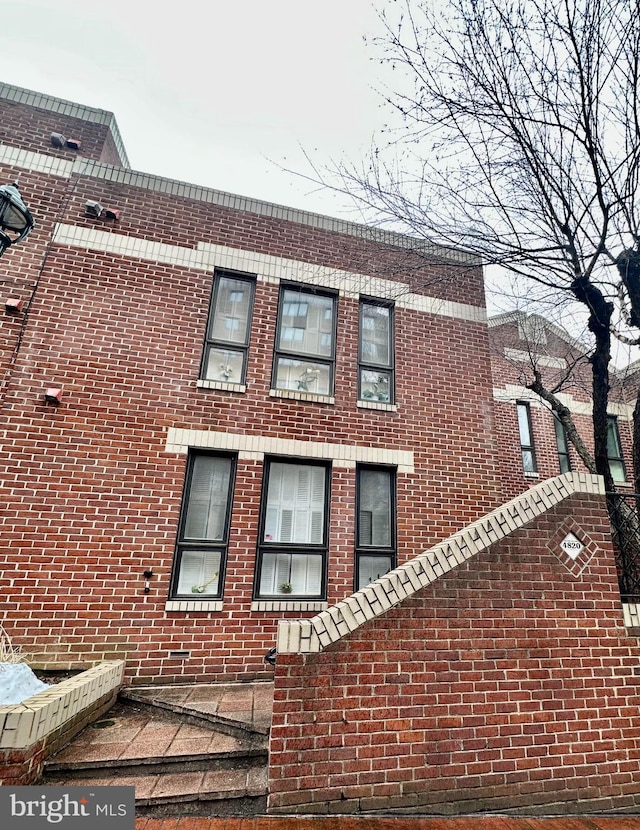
{"points": [[533, 443], [264, 408]]}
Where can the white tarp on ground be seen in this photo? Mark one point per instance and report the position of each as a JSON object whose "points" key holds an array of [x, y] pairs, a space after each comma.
{"points": [[17, 683]]}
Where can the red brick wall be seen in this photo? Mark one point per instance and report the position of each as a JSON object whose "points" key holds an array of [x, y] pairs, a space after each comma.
{"points": [[30, 128], [507, 684], [91, 497]]}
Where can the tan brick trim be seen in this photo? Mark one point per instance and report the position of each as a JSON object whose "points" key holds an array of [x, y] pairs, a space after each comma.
{"points": [[35, 162], [206, 257], [257, 446], [24, 724]]}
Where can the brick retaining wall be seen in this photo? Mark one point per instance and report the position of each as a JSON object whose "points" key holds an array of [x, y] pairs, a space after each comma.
{"points": [[509, 683]]}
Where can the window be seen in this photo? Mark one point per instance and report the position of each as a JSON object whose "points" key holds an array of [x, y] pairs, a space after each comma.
{"points": [[375, 373], [562, 443], [527, 449], [293, 535], [204, 527], [305, 342], [614, 450], [225, 352], [375, 525]]}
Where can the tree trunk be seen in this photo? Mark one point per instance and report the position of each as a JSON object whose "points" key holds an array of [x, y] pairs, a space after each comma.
{"points": [[600, 314]]}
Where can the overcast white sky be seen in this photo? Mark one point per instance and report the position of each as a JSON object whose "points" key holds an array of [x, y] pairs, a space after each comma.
{"points": [[209, 91]]}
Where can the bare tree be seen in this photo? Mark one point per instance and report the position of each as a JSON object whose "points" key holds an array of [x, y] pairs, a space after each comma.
{"points": [[519, 140]]}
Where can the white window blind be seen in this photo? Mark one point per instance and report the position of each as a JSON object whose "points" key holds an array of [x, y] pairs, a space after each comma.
{"points": [[295, 504], [374, 527], [303, 571], [199, 572], [208, 497]]}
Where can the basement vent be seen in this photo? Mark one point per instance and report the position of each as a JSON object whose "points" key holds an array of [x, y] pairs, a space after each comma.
{"points": [[180, 655]]}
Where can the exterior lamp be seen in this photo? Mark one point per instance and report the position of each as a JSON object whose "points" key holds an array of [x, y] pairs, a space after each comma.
{"points": [[16, 220]]}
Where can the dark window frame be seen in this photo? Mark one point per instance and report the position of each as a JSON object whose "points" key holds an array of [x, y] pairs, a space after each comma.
{"points": [[367, 366], [362, 550], [293, 547], [282, 352], [613, 430], [184, 544], [217, 343], [526, 447], [562, 445]]}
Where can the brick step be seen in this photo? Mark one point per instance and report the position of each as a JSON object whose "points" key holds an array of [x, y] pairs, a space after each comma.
{"points": [[203, 792], [242, 758], [181, 761]]}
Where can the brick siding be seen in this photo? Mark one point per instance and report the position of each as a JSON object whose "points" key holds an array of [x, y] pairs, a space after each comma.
{"points": [[90, 489]]}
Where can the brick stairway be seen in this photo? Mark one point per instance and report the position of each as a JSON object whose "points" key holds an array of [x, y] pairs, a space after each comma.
{"points": [[188, 750]]}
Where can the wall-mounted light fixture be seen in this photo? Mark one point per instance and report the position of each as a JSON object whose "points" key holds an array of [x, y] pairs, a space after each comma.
{"points": [[16, 221], [147, 580], [58, 140], [53, 395], [97, 210], [93, 208], [12, 305]]}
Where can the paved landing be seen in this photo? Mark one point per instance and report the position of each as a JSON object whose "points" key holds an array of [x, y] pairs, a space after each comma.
{"points": [[246, 703], [127, 733]]}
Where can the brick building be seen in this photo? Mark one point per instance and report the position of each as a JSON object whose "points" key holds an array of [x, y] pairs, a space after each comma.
{"points": [[260, 409], [533, 443]]}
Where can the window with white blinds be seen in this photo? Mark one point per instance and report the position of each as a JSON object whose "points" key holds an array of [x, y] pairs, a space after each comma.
{"points": [[300, 570], [295, 504], [208, 497], [204, 526], [292, 549], [375, 524]]}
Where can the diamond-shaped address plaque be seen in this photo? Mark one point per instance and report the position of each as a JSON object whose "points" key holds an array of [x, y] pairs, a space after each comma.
{"points": [[572, 546]]}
